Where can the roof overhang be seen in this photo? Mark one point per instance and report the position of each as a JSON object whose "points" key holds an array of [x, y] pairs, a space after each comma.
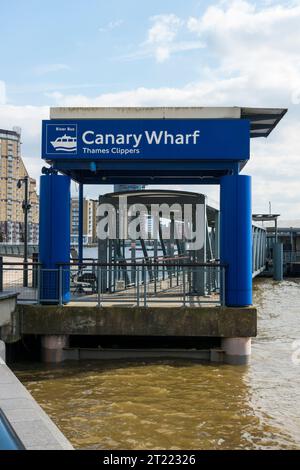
{"points": [[264, 217], [262, 120]]}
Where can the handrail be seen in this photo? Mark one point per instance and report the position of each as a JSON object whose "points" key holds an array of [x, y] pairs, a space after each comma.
{"points": [[160, 273], [124, 263], [138, 258], [20, 263]]}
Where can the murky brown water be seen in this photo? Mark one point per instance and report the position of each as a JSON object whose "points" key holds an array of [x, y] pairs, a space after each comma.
{"points": [[172, 405]]}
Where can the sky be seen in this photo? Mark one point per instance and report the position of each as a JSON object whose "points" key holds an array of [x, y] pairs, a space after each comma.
{"points": [[158, 53]]}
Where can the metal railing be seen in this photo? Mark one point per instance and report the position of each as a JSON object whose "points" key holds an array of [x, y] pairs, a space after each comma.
{"points": [[147, 282], [291, 256], [12, 279], [17, 250]]}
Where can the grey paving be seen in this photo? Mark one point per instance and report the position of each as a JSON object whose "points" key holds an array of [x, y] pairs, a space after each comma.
{"points": [[31, 424]]}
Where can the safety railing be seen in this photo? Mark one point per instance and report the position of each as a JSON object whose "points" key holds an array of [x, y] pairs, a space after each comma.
{"points": [[152, 282], [20, 278], [291, 256]]}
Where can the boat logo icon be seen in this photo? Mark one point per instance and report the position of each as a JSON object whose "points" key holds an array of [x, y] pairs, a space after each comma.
{"points": [[65, 143]]}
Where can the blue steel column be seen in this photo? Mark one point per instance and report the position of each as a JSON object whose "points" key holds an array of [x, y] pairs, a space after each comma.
{"points": [[80, 224], [54, 237], [236, 239]]}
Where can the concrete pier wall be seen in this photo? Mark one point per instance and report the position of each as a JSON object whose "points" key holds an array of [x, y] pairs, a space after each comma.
{"points": [[222, 322], [9, 317], [8, 302], [232, 327]]}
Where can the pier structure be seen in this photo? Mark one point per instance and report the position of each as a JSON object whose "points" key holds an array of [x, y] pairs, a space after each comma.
{"points": [[159, 251], [282, 249], [289, 237], [274, 247], [151, 146]]}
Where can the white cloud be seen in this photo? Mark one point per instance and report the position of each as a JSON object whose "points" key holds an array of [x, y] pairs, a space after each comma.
{"points": [[44, 69], [111, 25], [275, 167], [206, 92], [2, 92], [261, 44], [164, 29], [164, 38]]}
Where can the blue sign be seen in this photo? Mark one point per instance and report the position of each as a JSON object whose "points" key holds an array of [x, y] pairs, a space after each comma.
{"points": [[146, 139]]}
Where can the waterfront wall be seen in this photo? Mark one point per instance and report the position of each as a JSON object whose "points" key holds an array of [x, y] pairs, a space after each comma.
{"points": [[8, 302], [56, 325], [31, 424], [138, 321], [9, 317]]}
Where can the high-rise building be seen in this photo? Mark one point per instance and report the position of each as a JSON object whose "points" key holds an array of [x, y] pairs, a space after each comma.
{"points": [[95, 205], [89, 220], [12, 169]]}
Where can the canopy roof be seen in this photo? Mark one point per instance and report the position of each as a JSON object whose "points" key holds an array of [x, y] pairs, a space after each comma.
{"points": [[161, 196], [262, 122]]}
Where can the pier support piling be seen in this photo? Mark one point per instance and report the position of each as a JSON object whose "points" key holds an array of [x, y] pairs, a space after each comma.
{"points": [[237, 350], [52, 347]]}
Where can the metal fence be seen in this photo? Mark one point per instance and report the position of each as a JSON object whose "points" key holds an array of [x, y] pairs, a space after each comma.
{"points": [[145, 283], [291, 256], [20, 278]]}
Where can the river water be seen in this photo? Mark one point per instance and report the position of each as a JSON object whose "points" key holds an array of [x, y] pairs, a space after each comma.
{"points": [[185, 405]]}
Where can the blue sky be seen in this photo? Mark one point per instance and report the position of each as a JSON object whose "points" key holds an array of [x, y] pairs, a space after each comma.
{"points": [[151, 53], [87, 47]]}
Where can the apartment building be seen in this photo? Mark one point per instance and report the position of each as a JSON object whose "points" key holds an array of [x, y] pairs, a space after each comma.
{"points": [[12, 169], [89, 221]]}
